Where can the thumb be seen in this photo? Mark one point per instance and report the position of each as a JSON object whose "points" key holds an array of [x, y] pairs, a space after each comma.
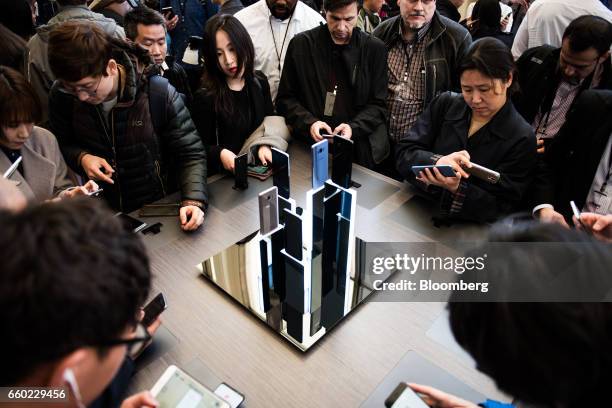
{"points": [[599, 225], [183, 215]]}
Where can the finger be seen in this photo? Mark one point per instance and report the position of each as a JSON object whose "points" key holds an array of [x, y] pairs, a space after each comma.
{"points": [[97, 174], [154, 326], [439, 177], [183, 215], [91, 186], [107, 167], [262, 157], [141, 314], [268, 156], [600, 224]]}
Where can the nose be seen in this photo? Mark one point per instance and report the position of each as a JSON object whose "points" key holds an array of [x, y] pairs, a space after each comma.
{"points": [[476, 97], [229, 59], [155, 50], [569, 71], [23, 131], [82, 95]]}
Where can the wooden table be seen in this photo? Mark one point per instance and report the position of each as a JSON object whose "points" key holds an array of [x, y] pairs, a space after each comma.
{"points": [[343, 368]]}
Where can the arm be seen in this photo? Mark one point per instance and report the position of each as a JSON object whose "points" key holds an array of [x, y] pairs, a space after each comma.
{"points": [[374, 112], [187, 149], [205, 120], [287, 101]]}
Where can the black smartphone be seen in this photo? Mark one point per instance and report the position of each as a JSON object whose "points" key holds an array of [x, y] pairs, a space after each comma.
{"points": [[293, 234], [131, 223], [168, 12], [153, 309], [342, 161], [281, 172], [240, 172]]}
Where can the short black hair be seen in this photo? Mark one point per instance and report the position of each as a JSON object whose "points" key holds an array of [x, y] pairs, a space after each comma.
{"points": [[488, 13], [141, 15], [71, 277], [13, 50], [589, 31], [333, 5], [17, 16], [545, 354], [492, 58]]}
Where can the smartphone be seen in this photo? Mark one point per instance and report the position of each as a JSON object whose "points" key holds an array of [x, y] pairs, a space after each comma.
{"points": [[320, 154], [268, 210], [160, 210], [240, 172], [131, 223], [445, 170], [284, 203], [577, 214], [483, 173], [229, 395], [168, 12], [282, 172], [175, 388], [293, 234], [328, 136], [508, 15], [404, 397], [342, 161], [153, 309], [95, 193]]}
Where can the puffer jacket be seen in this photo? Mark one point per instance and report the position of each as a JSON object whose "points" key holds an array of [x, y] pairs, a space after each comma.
{"points": [[448, 44], [143, 157], [39, 71]]}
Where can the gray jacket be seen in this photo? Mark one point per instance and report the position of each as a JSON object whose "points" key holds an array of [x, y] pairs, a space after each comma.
{"points": [[45, 171], [448, 44], [39, 72]]}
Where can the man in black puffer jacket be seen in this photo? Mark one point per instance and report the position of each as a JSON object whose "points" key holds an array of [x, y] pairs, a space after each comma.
{"points": [[114, 131]]}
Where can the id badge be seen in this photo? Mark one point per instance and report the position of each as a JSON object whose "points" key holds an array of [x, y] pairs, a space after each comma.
{"points": [[602, 201], [330, 100]]}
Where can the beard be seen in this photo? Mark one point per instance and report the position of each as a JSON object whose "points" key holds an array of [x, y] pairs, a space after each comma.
{"points": [[282, 12]]}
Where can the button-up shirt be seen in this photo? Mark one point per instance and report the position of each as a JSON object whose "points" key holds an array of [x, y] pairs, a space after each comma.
{"points": [[599, 199], [268, 34], [406, 95]]}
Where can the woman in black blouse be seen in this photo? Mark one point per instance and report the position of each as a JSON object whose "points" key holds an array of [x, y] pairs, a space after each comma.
{"points": [[481, 126], [235, 99]]}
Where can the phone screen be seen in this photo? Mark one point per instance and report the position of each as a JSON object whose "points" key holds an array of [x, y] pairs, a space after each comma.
{"points": [[404, 397], [240, 171], [280, 164], [154, 309], [293, 235], [182, 391], [131, 223], [233, 397], [342, 162]]}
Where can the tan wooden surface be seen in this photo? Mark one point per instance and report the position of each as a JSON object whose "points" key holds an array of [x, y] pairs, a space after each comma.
{"points": [[341, 370]]}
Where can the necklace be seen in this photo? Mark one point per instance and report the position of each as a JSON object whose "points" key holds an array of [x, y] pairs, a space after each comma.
{"points": [[279, 54]]}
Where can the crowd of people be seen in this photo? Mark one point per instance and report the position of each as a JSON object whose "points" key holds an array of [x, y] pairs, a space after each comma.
{"points": [[138, 99]]}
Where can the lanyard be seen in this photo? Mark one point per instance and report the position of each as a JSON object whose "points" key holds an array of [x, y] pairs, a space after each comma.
{"points": [[279, 54]]}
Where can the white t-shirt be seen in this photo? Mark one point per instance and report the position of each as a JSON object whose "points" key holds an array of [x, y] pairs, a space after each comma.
{"points": [[546, 20], [257, 20]]}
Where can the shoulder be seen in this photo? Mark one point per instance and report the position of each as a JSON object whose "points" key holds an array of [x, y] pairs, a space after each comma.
{"points": [[594, 103], [252, 14], [307, 15], [41, 140], [385, 27], [453, 29], [307, 37]]}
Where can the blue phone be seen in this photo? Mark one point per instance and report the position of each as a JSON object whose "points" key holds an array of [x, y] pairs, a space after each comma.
{"points": [[447, 171], [320, 166]]}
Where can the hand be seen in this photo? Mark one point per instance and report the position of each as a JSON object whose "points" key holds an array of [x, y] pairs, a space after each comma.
{"points": [[84, 190], [315, 130], [599, 225], [97, 168], [142, 399], [504, 23], [227, 159], [191, 217], [458, 161], [171, 24], [152, 328], [549, 215], [437, 179], [439, 399], [540, 145], [343, 130], [523, 3], [265, 154]]}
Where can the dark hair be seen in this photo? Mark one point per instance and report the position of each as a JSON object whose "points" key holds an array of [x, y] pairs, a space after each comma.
{"points": [[488, 13], [542, 353], [17, 16], [141, 15], [492, 58], [13, 50], [72, 276], [333, 5], [589, 31], [19, 103], [78, 49], [71, 2], [214, 79]]}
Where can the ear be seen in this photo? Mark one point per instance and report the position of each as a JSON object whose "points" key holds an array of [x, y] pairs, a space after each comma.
{"points": [[72, 361], [510, 79], [604, 57], [111, 68]]}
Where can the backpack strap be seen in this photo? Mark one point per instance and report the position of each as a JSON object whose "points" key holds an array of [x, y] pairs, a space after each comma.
{"points": [[158, 95]]}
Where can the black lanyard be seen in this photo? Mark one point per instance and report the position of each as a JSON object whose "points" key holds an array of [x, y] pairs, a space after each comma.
{"points": [[279, 55]]}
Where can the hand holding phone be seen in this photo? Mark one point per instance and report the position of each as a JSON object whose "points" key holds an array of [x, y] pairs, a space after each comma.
{"points": [[446, 171], [577, 215], [153, 309], [404, 397]]}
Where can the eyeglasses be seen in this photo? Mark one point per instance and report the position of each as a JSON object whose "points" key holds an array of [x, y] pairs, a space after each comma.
{"points": [[76, 90], [136, 344]]}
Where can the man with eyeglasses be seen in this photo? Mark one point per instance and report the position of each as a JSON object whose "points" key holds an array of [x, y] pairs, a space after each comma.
{"points": [[120, 125], [551, 78], [424, 49], [70, 318]]}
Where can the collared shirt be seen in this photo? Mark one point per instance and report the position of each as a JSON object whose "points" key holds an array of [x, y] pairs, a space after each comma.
{"points": [[268, 34], [599, 199], [406, 95], [546, 21], [548, 124]]}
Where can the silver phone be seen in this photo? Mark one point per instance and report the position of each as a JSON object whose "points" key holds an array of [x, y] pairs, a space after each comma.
{"points": [[483, 173], [268, 210]]}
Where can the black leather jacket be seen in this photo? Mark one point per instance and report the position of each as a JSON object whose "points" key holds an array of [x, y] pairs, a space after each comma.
{"points": [[449, 42], [141, 155]]}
